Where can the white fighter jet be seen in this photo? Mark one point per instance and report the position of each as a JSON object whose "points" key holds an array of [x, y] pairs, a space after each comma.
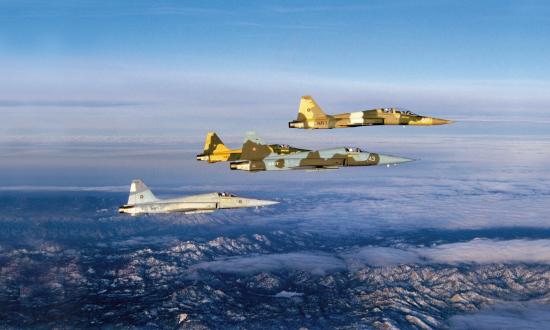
{"points": [[142, 201]]}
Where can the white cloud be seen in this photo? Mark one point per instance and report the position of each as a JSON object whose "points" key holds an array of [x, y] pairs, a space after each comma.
{"points": [[315, 263], [505, 316], [477, 251], [78, 98], [484, 251], [66, 188], [380, 256]]}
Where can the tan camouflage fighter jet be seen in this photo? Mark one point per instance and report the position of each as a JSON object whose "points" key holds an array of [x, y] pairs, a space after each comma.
{"points": [[311, 116], [259, 157], [142, 201], [215, 151]]}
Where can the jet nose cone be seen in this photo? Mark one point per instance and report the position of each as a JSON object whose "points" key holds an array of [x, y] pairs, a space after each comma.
{"points": [[261, 202], [438, 121], [393, 160]]}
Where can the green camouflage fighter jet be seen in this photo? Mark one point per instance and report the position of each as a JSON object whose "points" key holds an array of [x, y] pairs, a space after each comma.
{"points": [[259, 157], [311, 116]]}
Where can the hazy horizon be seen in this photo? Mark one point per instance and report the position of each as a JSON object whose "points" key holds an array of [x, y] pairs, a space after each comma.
{"points": [[94, 94]]}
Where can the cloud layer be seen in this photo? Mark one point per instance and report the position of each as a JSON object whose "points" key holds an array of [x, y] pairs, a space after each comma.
{"points": [[505, 317], [122, 99], [315, 263], [478, 251]]}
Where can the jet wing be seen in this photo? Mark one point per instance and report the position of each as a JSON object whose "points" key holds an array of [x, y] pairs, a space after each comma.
{"points": [[185, 207], [315, 168], [364, 122], [198, 211], [295, 163]]}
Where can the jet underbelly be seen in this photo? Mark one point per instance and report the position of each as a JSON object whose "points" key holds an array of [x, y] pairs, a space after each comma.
{"points": [[391, 119], [281, 164], [321, 162], [299, 163], [190, 206]]}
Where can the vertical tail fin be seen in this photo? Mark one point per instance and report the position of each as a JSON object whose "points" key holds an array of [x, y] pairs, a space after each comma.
{"points": [[252, 136], [213, 143], [253, 148], [309, 109], [140, 193]]}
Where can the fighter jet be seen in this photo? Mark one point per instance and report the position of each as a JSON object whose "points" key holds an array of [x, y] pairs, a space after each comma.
{"points": [[215, 150], [311, 116], [258, 157], [142, 201]]}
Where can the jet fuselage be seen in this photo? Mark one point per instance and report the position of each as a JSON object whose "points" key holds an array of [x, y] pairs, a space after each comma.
{"points": [[318, 159], [366, 118], [142, 201], [311, 116]]}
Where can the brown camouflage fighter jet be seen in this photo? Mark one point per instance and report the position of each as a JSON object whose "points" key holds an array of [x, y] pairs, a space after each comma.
{"points": [[260, 157], [216, 151], [311, 116]]}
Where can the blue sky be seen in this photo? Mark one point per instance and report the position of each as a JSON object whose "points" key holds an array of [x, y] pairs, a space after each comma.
{"points": [[82, 80], [388, 40], [94, 94]]}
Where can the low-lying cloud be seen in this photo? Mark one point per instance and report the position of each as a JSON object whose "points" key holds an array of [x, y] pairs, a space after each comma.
{"points": [[123, 99], [314, 263], [485, 251], [505, 316], [477, 251]]}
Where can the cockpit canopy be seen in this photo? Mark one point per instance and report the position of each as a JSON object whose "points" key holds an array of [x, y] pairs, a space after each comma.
{"points": [[349, 149], [408, 112], [400, 111], [225, 194]]}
